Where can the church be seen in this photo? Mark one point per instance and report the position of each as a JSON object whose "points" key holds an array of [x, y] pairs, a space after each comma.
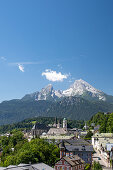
{"points": [[38, 129], [58, 128]]}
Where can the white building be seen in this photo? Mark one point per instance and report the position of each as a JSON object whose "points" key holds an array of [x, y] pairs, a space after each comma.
{"points": [[102, 142]]}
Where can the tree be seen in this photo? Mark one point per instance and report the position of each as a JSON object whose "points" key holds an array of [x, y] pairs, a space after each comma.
{"points": [[96, 166], [24, 157], [89, 135], [87, 167], [37, 150], [109, 127]]}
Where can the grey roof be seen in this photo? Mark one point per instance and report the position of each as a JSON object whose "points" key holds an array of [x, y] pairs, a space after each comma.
{"points": [[41, 166], [16, 168], [56, 131], [12, 166], [39, 126], [38, 166], [21, 164], [87, 148], [76, 141]]}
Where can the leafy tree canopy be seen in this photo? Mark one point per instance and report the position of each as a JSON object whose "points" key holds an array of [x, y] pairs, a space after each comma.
{"points": [[17, 150]]}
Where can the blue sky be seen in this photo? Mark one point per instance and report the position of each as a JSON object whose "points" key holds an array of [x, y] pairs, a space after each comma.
{"points": [[59, 40]]}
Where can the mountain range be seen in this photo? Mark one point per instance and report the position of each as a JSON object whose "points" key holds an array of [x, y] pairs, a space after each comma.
{"points": [[80, 101], [79, 88]]}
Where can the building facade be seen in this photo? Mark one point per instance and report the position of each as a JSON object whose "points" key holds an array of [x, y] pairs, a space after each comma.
{"points": [[82, 149], [70, 163]]}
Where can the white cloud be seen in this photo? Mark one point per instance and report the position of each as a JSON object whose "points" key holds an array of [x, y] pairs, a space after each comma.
{"points": [[54, 76], [21, 67]]}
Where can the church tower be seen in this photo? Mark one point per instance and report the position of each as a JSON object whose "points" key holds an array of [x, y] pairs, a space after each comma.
{"points": [[85, 127], [65, 124], [58, 125], [55, 123]]}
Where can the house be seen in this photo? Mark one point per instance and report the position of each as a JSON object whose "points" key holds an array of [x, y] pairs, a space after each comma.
{"points": [[102, 143], [70, 163], [101, 138], [78, 147], [96, 128]]}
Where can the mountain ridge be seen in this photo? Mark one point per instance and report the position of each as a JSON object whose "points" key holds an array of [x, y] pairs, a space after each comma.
{"points": [[79, 88], [80, 103]]}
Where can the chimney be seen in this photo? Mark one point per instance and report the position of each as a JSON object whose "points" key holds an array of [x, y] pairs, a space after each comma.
{"points": [[62, 150]]}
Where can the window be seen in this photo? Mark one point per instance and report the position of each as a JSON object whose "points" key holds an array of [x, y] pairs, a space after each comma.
{"points": [[67, 154], [65, 163]]}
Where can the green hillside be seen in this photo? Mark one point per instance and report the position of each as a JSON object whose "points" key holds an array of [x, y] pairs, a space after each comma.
{"points": [[27, 124], [104, 120], [70, 107]]}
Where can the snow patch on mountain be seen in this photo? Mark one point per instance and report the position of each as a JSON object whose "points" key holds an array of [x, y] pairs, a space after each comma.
{"points": [[48, 92], [80, 87]]}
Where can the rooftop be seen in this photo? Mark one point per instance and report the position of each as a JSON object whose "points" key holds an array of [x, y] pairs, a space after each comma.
{"points": [[38, 166], [103, 135], [79, 148], [56, 131], [73, 160], [57, 137], [75, 142], [39, 126]]}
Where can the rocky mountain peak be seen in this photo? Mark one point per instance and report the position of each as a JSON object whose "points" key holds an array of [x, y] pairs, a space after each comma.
{"points": [[47, 89], [82, 88], [79, 88]]}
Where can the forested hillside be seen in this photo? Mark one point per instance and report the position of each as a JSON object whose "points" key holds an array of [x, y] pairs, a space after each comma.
{"points": [[104, 120], [27, 124], [75, 108]]}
